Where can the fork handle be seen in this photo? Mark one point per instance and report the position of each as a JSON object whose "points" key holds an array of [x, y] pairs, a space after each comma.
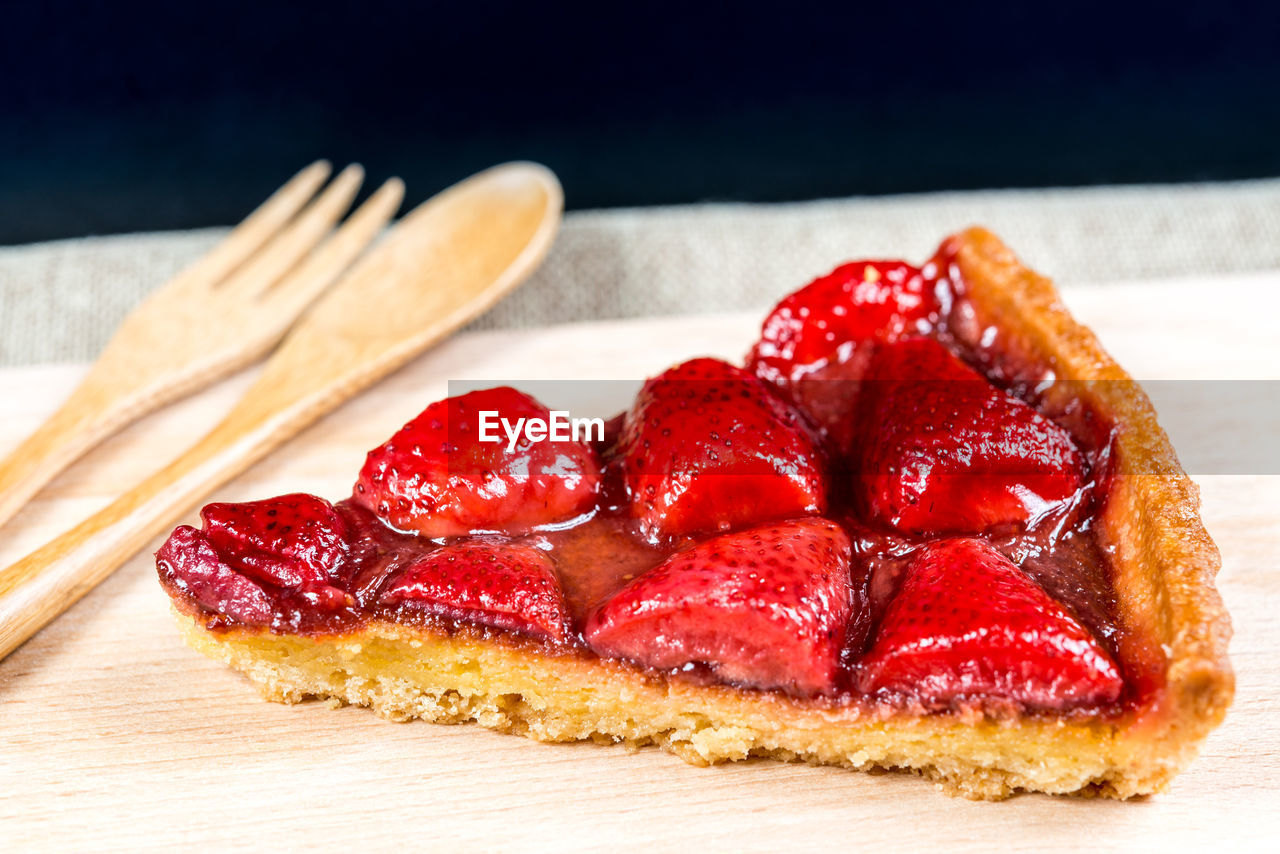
{"points": [[118, 389], [92, 413], [46, 582]]}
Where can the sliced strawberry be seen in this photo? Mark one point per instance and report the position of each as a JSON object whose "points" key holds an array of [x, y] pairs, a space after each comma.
{"points": [[767, 608], [708, 447], [967, 624], [829, 319], [190, 563], [294, 541], [251, 557], [376, 552], [508, 587], [828, 396], [436, 476], [941, 450]]}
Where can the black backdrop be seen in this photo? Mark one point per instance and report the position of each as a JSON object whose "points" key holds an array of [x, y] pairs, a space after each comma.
{"points": [[146, 115]]}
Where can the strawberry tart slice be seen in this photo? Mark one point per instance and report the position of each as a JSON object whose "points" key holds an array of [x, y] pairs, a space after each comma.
{"points": [[928, 525]]}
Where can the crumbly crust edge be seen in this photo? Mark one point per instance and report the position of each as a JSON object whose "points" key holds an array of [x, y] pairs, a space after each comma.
{"points": [[1163, 560], [405, 673]]}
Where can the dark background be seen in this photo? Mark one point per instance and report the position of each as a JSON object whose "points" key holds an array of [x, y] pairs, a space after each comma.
{"points": [[133, 116]]}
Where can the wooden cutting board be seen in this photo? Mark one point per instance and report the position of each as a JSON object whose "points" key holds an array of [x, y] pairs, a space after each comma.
{"points": [[114, 735]]}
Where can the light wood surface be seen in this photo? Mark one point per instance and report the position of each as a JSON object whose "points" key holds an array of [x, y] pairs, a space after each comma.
{"points": [[116, 736], [446, 262]]}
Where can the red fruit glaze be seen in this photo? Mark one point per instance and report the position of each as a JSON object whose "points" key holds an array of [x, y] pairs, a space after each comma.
{"points": [[968, 625], [250, 556], [504, 586], [291, 541], [189, 563], [941, 450], [766, 608], [675, 555], [708, 447], [827, 320], [436, 478]]}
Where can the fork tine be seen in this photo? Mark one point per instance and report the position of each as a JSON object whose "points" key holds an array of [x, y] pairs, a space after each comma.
{"points": [[257, 228], [297, 238], [297, 290]]}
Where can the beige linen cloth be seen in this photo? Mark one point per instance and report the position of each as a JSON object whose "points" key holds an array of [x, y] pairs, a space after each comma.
{"points": [[59, 301]]}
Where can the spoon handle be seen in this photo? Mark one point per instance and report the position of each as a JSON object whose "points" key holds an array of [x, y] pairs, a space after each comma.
{"points": [[124, 384], [305, 379], [94, 411], [51, 579], [445, 263]]}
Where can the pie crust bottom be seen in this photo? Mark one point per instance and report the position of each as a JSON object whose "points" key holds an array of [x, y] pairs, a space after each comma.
{"points": [[461, 676]]}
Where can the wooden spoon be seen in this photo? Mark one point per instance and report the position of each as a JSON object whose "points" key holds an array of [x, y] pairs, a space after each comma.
{"points": [[445, 263]]}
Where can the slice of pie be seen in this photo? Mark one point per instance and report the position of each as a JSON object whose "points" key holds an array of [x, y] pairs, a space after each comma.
{"points": [[929, 525]]}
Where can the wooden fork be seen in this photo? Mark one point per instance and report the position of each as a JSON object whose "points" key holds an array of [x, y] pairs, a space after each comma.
{"points": [[221, 313], [445, 263]]}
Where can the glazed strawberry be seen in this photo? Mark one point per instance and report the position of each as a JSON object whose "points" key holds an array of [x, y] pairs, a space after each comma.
{"points": [[504, 586], [829, 319], [294, 541], [765, 607], [941, 450], [251, 555], [708, 447], [189, 563], [438, 478], [376, 552], [968, 625]]}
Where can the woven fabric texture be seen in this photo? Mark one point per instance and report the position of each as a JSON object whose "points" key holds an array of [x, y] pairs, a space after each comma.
{"points": [[59, 301]]}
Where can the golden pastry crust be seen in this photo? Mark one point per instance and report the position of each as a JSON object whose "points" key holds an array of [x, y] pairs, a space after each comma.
{"points": [[1162, 558], [460, 676], [1163, 562]]}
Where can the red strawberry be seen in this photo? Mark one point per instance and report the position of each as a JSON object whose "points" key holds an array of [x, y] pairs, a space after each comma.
{"points": [[508, 587], [377, 552], [941, 450], [250, 555], [187, 561], [294, 541], [826, 321], [967, 624], [708, 447], [766, 607], [829, 398], [436, 477]]}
